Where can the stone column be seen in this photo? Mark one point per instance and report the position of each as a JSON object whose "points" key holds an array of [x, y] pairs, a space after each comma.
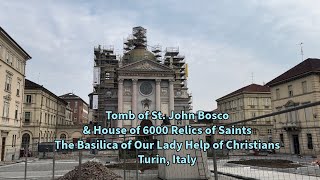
{"points": [[134, 101], [158, 99], [171, 98], [120, 101]]}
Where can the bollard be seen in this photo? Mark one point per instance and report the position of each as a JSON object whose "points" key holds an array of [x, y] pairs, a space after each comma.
{"points": [[26, 162], [214, 157], [137, 165], [53, 161], [124, 160], [80, 161]]}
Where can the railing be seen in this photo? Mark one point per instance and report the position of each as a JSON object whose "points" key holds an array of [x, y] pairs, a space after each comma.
{"points": [[297, 158], [172, 49], [156, 48], [100, 48]]}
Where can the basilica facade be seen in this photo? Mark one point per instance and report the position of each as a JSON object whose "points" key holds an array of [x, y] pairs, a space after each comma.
{"points": [[144, 78], [145, 85]]}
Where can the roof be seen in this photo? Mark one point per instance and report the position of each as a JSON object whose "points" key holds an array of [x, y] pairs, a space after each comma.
{"points": [[137, 54], [215, 110], [145, 65], [307, 67], [71, 96], [32, 85], [14, 42], [252, 88]]}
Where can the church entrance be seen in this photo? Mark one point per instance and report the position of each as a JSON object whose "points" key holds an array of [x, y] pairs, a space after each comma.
{"points": [[143, 136]]}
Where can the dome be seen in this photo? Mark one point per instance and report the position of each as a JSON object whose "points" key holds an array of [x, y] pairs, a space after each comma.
{"points": [[138, 54]]}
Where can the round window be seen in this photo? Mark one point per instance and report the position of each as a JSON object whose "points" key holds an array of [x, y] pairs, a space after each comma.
{"points": [[146, 88]]}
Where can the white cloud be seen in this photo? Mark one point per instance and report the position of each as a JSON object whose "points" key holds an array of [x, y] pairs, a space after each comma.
{"points": [[60, 38], [293, 16], [216, 69]]}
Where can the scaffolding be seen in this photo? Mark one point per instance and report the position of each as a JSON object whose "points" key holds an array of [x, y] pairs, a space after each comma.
{"points": [[140, 36], [128, 43], [157, 50], [176, 61], [106, 61], [190, 99], [104, 53], [172, 51], [138, 39]]}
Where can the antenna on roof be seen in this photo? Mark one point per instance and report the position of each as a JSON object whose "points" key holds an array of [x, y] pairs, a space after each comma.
{"points": [[301, 50]]}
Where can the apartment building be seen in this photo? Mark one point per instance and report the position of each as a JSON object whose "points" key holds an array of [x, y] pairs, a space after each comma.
{"points": [[298, 131], [12, 74], [79, 107], [68, 120], [43, 112], [248, 102]]}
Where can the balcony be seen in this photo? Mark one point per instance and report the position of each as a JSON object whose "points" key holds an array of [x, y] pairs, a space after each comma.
{"points": [[291, 126]]}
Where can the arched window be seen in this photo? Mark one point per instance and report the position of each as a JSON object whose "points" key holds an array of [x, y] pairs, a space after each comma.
{"points": [[25, 140], [63, 136]]}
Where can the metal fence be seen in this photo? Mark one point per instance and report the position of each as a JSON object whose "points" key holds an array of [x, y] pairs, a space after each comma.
{"points": [[43, 161], [297, 130]]}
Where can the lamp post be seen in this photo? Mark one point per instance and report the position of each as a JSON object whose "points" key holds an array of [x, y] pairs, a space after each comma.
{"points": [[214, 156]]}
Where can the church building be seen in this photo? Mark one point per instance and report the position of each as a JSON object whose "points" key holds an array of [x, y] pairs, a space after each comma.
{"points": [[143, 78]]}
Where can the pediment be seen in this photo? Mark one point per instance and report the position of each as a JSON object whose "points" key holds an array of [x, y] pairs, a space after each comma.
{"points": [[145, 65]]}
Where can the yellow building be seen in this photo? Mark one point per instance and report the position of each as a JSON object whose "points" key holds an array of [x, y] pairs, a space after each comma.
{"points": [[297, 131], [47, 117], [12, 73], [43, 112], [68, 120], [248, 102]]}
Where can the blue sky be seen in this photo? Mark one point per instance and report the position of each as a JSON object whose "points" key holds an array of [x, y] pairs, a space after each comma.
{"points": [[224, 41]]}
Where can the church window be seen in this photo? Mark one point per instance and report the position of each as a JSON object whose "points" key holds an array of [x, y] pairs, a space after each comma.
{"points": [[146, 88]]}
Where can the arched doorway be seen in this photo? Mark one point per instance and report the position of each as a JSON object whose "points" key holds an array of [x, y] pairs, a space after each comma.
{"points": [[76, 136], [166, 121], [25, 140], [63, 136], [143, 124]]}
